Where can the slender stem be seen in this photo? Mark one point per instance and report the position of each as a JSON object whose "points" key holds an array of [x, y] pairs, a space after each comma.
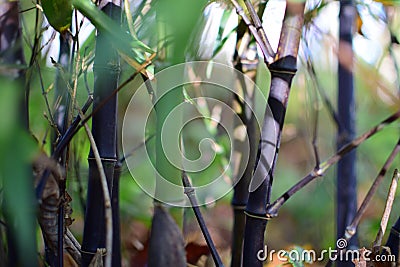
{"points": [[272, 210], [191, 194], [268, 58], [352, 228], [388, 209], [61, 146], [106, 195], [80, 121], [258, 25], [393, 241]]}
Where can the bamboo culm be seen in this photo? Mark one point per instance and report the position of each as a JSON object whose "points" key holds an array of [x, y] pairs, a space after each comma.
{"points": [[282, 72], [346, 183], [104, 124]]}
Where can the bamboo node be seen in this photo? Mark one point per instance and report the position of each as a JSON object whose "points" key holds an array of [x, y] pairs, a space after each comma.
{"points": [[238, 207], [189, 191], [265, 218]]}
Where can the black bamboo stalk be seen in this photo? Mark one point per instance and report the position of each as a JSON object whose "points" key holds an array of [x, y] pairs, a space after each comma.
{"points": [[282, 71], [272, 210], [104, 124], [80, 121], [346, 188], [191, 194], [240, 190], [393, 241], [116, 242], [241, 194]]}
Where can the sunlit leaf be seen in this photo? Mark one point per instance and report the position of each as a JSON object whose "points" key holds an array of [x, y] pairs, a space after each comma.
{"points": [[389, 2], [210, 36]]}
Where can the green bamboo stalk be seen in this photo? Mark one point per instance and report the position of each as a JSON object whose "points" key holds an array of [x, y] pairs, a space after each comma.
{"points": [[282, 72], [104, 124], [19, 205]]}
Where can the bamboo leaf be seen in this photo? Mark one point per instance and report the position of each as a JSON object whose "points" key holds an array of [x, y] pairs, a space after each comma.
{"points": [[58, 13], [132, 50]]}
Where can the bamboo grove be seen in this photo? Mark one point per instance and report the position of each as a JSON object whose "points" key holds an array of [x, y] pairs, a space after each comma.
{"points": [[70, 69]]}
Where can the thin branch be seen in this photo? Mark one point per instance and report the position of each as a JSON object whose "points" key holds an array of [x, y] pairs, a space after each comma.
{"points": [[107, 200], [64, 141], [352, 228], [77, 125], [315, 141], [272, 210], [388, 209], [268, 58], [258, 25], [191, 194]]}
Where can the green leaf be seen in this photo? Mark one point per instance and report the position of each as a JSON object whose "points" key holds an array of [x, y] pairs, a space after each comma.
{"points": [[58, 13], [132, 50]]}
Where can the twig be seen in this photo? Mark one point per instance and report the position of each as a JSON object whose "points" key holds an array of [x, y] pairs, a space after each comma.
{"points": [[268, 58], [352, 228], [107, 200], [272, 210], [388, 209], [73, 247], [79, 122], [191, 194], [66, 138], [258, 25]]}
